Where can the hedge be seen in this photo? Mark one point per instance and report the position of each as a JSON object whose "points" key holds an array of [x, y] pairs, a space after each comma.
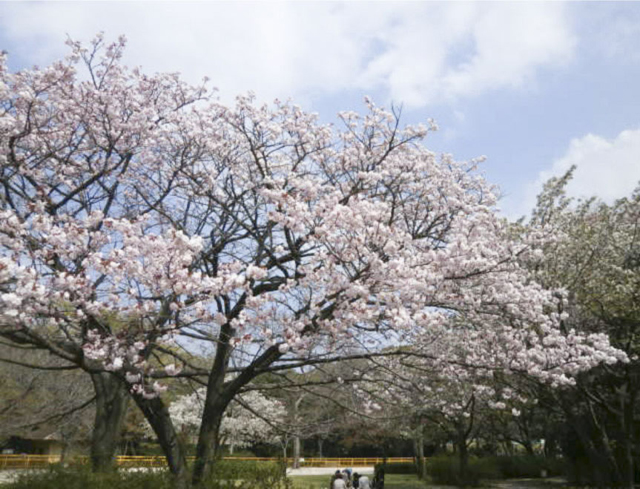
{"points": [[254, 474], [446, 470], [397, 468]]}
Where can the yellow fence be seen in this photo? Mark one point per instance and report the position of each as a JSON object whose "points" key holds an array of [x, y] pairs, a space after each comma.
{"points": [[27, 461], [36, 461]]}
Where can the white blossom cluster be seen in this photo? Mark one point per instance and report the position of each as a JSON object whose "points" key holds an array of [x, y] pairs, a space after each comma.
{"points": [[251, 418]]}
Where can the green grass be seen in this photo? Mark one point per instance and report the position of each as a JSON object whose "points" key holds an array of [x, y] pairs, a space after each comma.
{"points": [[391, 481]]}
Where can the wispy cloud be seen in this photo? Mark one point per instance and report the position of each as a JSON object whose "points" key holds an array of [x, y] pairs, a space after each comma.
{"points": [[413, 53]]}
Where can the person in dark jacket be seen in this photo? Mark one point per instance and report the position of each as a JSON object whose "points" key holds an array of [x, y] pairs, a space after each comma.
{"points": [[356, 480]]}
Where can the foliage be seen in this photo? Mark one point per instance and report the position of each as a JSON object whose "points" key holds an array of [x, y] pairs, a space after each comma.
{"points": [[259, 475], [255, 471], [80, 477], [446, 470], [529, 466], [39, 402], [397, 468], [593, 261]]}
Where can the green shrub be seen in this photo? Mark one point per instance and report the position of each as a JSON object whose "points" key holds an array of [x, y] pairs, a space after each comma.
{"points": [[446, 470], [397, 468], [226, 474], [528, 466], [80, 477], [255, 474]]}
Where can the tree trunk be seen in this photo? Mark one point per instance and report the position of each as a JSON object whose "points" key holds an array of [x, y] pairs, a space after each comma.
{"points": [[528, 447], [215, 403], [320, 443], [63, 453], [111, 407], [600, 468], [296, 452], [627, 434], [209, 441], [463, 457], [157, 414], [218, 398], [422, 465]]}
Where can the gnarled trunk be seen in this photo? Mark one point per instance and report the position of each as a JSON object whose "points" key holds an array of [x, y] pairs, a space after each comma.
{"points": [[157, 414], [111, 408]]}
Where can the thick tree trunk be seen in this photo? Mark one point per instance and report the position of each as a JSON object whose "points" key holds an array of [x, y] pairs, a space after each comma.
{"points": [[601, 466], [209, 443], [605, 448], [157, 414], [217, 399], [111, 408]]}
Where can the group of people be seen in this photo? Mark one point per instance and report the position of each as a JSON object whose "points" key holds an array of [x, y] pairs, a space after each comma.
{"points": [[344, 480]]}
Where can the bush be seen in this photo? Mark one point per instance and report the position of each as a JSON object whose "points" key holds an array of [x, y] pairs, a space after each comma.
{"points": [[397, 468], [81, 477], [254, 474], [446, 470], [528, 466]]}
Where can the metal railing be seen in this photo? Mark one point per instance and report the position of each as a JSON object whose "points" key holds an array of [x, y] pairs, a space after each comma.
{"points": [[37, 461], [27, 461]]}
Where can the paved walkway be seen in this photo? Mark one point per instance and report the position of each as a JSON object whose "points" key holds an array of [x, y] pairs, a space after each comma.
{"points": [[327, 470], [549, 483]]}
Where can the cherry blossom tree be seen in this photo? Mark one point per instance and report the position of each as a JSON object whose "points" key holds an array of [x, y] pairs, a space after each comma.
{"points": [[135, 214], [85, 271]]}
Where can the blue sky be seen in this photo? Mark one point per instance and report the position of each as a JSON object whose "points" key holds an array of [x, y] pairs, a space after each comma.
{"points": [[535, 87]]}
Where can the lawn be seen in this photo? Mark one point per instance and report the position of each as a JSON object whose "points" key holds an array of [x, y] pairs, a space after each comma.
{"points": [[392, 481]]}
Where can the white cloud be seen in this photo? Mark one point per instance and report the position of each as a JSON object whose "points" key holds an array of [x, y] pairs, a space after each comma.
{"points": [[606, 168], [416, 53]]}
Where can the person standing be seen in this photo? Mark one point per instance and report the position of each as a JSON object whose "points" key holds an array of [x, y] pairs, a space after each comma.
{"points": [[356, 480], [363, 482], [339, 482]]}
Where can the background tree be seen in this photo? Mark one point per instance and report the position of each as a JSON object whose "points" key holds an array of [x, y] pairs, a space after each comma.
{"points": [[40, 393], [594, 258]]}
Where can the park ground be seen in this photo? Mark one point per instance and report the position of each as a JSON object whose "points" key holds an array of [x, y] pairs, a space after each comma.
{"points": [[398, 481], [304, 479], [318, 478]]}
